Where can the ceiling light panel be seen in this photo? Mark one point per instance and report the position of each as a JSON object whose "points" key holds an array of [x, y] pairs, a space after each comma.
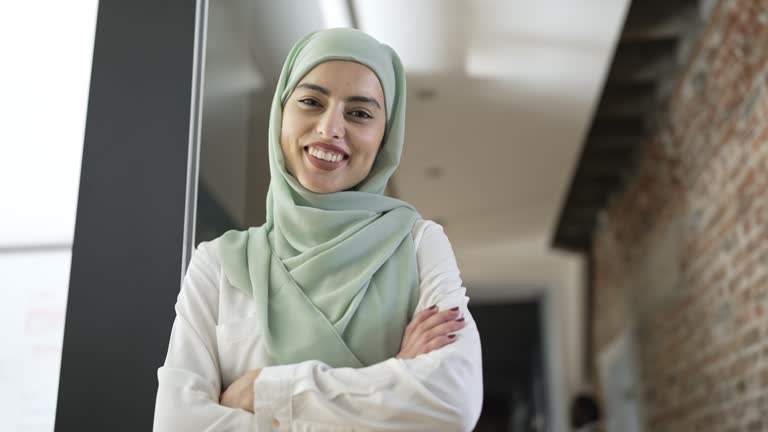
{"points": [[336, 13], [429, 35]]}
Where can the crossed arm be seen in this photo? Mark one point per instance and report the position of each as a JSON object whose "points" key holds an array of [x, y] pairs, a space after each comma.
{"points": [[429, 330], [434, 383]]}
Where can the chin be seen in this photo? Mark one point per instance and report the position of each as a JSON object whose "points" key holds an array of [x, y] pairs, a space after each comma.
{"points": [[322, 187]]}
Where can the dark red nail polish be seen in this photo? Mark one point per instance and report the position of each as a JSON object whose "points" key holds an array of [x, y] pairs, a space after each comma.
{"points": [[460, 319], [432, 307], [455, 308], [451, 336]]}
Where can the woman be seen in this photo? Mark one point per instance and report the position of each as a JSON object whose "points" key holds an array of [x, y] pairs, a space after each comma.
{"points": [[303, 323]]}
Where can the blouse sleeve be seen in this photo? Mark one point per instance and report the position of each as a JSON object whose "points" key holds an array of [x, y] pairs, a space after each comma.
{"points": [[438, 391], [189, 383]]}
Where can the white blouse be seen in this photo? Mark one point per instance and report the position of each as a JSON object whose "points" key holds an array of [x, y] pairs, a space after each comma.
{"points": [[215, 340]]}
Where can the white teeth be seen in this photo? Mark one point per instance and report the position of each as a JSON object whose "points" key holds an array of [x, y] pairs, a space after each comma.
{"points": [[324, 155]]}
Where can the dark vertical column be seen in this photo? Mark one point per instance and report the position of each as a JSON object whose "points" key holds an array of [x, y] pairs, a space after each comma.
{"points": [[128, 246]]}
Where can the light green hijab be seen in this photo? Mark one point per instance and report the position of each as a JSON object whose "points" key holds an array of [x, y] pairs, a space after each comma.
{"points": [[334, 275]]}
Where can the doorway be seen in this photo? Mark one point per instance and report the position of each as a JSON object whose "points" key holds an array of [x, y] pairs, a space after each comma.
{"points": [[513, 366]]}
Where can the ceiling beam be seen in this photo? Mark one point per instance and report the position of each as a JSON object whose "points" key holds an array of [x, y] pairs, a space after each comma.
{"points": [[637, 87], [617, 128], [659, 20], [643, 60], [627, 99]]}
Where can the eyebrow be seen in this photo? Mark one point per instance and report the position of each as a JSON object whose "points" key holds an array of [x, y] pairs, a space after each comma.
{"points": [[325, 91]]}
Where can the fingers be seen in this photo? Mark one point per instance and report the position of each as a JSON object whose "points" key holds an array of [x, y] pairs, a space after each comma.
{"points": [[444, 329], [437, 326], [429, 330], [439, 318], [420, 318], [438, 342]]}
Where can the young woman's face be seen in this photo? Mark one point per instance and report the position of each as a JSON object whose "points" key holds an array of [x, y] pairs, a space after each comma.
{"points": [[333, 125]]}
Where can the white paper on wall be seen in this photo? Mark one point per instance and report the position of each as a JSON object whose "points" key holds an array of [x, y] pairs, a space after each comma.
{"points": [[34, 296]]}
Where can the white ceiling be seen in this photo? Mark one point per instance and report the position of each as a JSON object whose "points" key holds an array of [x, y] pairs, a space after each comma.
{"points": [[513, 85]]}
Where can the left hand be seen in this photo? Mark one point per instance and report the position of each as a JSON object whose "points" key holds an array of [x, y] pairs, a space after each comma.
{"points": [[429, 330], [239, 394]]}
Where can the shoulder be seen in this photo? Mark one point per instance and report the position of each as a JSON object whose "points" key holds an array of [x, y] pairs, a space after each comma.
{"points": [[429, 235], [434, 252], [211, 251], [205, 264], [207, 254], [198, 298], [422, 227], [418, 229], [204, 280], [439, 275]]}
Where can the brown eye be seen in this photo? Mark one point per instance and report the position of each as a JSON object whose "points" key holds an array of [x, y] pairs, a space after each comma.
{"points": [[360, 114], [309, 102]]}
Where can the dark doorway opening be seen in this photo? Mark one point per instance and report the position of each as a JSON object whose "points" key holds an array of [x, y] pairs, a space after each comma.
{"points": [[513, 366]]}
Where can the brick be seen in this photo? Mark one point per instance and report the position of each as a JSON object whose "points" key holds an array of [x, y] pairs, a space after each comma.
{"points": [[702, 331]]}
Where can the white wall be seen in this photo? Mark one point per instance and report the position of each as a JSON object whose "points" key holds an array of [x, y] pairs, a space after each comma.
{"points": [[47, 49], [525, 270]]}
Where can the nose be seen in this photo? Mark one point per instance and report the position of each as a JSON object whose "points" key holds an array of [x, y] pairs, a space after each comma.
{"points": [[331, 123]]}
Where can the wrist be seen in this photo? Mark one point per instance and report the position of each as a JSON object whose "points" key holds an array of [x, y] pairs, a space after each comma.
{"points": [[252, 375]]}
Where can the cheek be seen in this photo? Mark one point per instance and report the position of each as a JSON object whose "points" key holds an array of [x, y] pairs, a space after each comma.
{"points": [[371, 140], [288, 135], [285, 147], [287, 144]]}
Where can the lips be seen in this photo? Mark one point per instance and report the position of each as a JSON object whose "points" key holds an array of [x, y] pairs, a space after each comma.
{"points": [[322, 164], [329, 147]]}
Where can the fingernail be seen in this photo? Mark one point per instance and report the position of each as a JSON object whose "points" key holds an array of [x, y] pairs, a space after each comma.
{"points": [[451, 336], [432, 307], [455, 308], [460, 319]]}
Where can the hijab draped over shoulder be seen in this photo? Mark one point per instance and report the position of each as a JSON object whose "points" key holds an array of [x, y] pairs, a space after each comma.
{"points": [[334, 275]]}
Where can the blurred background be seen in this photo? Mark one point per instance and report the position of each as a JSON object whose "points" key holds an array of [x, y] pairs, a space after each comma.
{"points": [[599, 166]]}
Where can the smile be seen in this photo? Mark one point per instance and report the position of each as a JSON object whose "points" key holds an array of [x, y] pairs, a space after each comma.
{"points": [[325, 154], [325, 160]]}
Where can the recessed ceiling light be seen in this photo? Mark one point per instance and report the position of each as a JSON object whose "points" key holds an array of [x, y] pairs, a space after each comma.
{"points": [[425, 94], [434, 172]]}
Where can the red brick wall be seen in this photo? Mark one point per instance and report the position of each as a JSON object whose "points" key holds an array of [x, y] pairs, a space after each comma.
{"points": [[681, 255]]}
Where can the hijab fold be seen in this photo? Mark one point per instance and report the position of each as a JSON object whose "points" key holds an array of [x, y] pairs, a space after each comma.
{"points": [[334, 275]]}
